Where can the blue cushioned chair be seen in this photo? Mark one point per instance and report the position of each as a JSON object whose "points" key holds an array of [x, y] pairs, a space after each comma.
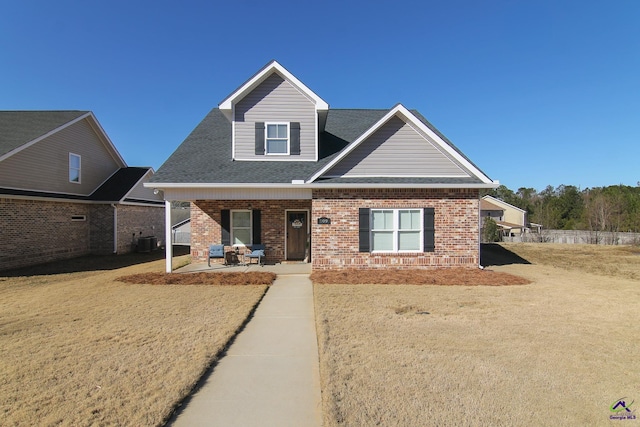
{"points": [[257, 252], [215, 251]]}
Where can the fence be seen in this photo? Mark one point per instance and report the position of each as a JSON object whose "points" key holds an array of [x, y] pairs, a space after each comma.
{"points": [[578, 236], [181, 237]]}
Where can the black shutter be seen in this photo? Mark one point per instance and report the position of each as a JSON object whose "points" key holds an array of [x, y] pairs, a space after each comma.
{"points": [[363, 229], [225, 223], [429, 230], [255, 218], [294, 134], [259, 138]]}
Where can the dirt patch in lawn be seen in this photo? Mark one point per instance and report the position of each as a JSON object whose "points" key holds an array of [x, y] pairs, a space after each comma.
{"points": [[215, 279], [444, 277]]}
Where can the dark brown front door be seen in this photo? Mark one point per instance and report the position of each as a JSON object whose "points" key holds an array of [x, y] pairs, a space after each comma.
{"points": [[296, 235]]}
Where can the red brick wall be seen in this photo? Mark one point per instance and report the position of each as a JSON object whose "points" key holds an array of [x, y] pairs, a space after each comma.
{"points": [[335, 246], [33, 232], [206, 229]]}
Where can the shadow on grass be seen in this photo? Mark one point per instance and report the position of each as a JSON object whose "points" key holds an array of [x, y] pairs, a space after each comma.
{"points": [[92, 263], [494, 254]]}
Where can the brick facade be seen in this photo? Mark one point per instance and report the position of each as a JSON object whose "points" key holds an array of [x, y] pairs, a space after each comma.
{"points": [[33, 231], [335, 246], [138, 221], [206, 229]]}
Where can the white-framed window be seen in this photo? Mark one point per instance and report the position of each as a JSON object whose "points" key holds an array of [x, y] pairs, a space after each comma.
{"points": [[396, 230], [75, 167], [241, 231], [276, 139]]}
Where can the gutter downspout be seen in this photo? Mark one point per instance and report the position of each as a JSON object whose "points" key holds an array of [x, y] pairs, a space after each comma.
{"points": [[480, 266], [115, 228]]}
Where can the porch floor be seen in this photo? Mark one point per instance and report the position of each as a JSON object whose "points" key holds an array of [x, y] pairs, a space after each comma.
{"points": [[280, 268]]}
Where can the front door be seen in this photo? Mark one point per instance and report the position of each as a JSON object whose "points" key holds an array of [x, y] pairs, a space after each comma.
{"points": [[297, 235]]}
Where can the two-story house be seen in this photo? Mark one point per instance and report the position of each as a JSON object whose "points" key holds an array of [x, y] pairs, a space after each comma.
{"points": [[66, 191], [339, 188]]}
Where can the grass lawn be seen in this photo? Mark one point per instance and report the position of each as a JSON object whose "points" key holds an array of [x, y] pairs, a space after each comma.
{"points": [[557, 351], [82, 348]]}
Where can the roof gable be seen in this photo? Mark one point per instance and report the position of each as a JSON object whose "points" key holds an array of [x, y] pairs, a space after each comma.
{"points": [[22, 129], [369, 146], [226, 106], [397, 149], [501, 204]]}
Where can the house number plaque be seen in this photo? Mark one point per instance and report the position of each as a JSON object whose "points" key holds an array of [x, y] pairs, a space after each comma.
{"points": [[324, 220]]}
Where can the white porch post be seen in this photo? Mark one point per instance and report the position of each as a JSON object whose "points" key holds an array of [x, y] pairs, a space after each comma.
{"points": [[167, 236]]}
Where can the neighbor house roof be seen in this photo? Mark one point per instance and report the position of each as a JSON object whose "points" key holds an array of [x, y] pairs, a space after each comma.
{"points": [[21, 127], [113, 190], [205, 155]]}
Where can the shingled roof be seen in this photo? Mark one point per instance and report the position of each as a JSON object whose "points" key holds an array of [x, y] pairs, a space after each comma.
{"points": [[21, 127], [205, 155]]}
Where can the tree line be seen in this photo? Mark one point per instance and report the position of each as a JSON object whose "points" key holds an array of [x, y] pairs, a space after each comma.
{"points": [[614, 208]]}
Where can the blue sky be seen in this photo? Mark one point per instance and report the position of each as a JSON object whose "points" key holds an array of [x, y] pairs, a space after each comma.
{"points": [[535, 93]]}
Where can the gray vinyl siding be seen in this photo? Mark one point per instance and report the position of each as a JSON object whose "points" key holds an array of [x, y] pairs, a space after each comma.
{"points": [[397, 150], [275, 100], [139, 192], [44, 166]]}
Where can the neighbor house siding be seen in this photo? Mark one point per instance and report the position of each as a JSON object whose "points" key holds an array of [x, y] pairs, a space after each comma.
{"points": [[336, 245], [206, 224], [275, 100], [397, 149], [44, 166], [34, 232], [140, 192]]}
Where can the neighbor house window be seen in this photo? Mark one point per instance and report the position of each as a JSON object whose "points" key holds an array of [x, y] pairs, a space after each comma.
{"points": [[241, 228], [277, 138], [74, 168], [396, 230]]}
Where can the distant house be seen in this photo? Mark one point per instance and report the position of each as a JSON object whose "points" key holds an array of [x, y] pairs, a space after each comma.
{"points": [[65, 190], [337, 188], [511, 219], [181, 226]]}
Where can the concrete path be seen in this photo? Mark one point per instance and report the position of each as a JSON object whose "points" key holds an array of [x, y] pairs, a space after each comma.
{"points": [[270, 374]]}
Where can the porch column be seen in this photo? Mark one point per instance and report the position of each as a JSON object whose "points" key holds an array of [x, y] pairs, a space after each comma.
{"points": [[167, 236]]}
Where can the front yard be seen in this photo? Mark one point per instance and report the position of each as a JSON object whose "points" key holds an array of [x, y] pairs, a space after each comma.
{"points": [[558, 351], [85, 349]]}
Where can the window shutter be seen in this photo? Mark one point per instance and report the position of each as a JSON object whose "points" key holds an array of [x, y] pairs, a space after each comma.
{"points": [[429, 230], [259, 138], [225, 223], [255, 225], [363, 230], [294, 134]]}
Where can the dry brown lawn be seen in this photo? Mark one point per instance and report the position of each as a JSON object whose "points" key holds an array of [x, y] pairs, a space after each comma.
{"points": [[558, 351], [83, 348]]}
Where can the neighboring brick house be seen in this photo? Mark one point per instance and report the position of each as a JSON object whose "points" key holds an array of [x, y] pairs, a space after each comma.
{"points": [[65, 191], [340, 188]]}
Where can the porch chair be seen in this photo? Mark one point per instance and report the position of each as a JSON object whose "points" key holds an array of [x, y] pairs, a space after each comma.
{"points": [[257, 252], [215, 251]]}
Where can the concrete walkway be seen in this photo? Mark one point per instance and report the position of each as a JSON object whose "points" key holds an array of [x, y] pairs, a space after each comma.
{"points": [[270, 374]]}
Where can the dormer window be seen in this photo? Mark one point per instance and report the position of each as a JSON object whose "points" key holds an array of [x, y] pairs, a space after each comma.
{"points": [[277, 138], [74, 168]]}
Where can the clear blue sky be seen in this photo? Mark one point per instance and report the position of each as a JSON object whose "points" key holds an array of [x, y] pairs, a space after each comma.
{"points": [[536, 93]]}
